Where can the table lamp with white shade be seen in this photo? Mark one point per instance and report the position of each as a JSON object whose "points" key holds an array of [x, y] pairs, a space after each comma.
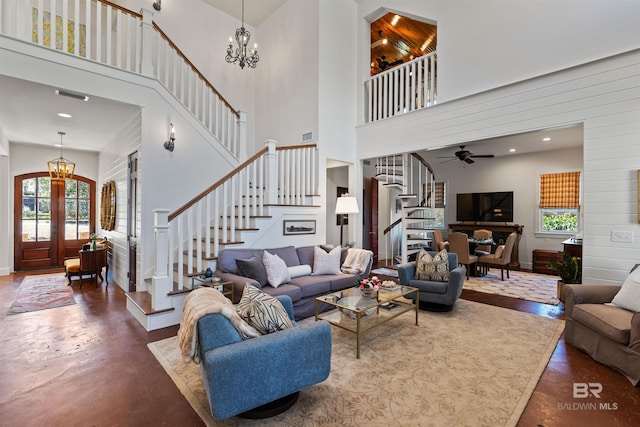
{"points": [[345, 205]]}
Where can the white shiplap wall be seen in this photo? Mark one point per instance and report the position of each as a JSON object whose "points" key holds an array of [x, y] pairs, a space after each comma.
{"points": [[113, 166], [603, 95]]}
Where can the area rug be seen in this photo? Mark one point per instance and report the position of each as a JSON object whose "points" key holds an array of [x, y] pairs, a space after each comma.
{"points": [[520, 284], [41, 292], [476, 365]]}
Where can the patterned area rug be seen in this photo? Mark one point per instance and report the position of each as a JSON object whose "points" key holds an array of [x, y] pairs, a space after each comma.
{"points": [[522, 285], [42, 292], [475, 365]]}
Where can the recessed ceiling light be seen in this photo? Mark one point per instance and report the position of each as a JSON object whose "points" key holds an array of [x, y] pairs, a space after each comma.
{"points": [[547, 139], [395, 20], [512, 150], [65, 115]]}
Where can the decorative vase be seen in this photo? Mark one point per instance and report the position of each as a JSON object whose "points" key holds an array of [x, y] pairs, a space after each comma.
{"points": [[368, 293], [93, 244]]}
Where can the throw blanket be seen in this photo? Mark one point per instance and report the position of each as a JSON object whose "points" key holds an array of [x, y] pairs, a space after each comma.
{"points": [[356, 261], [198, 303]]}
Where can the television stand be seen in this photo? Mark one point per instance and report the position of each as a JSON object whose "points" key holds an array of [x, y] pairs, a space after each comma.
{"points": [[500, 232]]}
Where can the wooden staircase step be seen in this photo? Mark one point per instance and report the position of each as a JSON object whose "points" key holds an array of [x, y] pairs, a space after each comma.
{"points": [[177, 291], [185, 268], [250, 216], [238, 228], [142, 300], [292, 206]]}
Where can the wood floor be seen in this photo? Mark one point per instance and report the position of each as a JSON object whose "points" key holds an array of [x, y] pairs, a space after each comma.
{"points": [[88, 365]]}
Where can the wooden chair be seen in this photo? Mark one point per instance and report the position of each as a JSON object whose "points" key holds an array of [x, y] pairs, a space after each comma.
{"points": [[459, 244], [89, 263], [502, 257]]}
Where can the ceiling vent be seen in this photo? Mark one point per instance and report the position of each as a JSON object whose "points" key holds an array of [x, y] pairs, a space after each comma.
{"points": [[72, 95]]}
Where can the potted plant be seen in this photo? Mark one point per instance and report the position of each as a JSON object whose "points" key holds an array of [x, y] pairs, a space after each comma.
{"points": [[569, 269]]}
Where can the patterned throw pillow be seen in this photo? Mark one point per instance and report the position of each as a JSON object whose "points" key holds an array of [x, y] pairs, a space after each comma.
{"points": [[432, 268], [326, 263], [277, 272], [262, 311]]}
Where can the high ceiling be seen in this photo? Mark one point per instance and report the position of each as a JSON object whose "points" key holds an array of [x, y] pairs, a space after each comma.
{"points": [[255, 11], [399, 40]]}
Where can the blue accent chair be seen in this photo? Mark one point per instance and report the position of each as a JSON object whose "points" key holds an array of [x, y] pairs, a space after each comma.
{"points": [[241, 375], [435, 296]]}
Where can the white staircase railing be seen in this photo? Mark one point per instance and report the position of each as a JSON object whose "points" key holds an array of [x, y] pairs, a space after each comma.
{"points": [[195, 232], [412, 181], [104, 32], [411, 86]]}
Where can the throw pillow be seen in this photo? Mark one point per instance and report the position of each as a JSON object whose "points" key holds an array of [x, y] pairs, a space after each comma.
{"points": [[276, 269], [262, 311], [326, 263], [628, 297], [253, 269], [299, 270], [432, 268]]}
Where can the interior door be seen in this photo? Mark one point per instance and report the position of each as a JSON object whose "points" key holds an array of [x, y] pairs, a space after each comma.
{"points": [[52, 219], [133, 205], [373, 214]]}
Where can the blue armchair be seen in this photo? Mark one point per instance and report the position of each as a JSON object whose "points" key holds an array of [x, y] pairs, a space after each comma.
{"points": [[241, 375], [435, 296]]}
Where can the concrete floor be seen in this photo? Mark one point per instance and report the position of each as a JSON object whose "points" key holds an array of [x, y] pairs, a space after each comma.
{"points": [[88, 365]]}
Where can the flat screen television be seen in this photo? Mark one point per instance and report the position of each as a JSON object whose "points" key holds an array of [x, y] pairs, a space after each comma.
{"points": [[490, 207]]}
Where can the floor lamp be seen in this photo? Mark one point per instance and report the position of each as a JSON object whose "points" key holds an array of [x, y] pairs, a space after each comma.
{"points": [[345, 205]]}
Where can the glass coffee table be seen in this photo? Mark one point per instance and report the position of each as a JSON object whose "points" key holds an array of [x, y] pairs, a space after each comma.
{"points": [[359, 314]]}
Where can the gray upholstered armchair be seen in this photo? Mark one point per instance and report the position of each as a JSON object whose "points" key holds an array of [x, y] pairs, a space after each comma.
{"points": [[242, 375], [435, 296]]}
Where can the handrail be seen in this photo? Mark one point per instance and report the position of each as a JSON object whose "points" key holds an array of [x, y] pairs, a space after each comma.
{"points": [[121, 8], [217, 184], [392, 226], [195, 70], [228, 176], [424, 163]]}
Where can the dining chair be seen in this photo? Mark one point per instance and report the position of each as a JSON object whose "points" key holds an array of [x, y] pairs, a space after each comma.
{"points": [[459, 244], [501, 258], [438, 242], [482, 234]]}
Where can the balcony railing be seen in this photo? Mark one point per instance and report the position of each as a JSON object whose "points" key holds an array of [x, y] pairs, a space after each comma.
{"points": [[104, 32], [409, 87]]}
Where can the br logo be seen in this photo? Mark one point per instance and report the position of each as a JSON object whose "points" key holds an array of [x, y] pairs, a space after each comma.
{"points": [[584, 390]]}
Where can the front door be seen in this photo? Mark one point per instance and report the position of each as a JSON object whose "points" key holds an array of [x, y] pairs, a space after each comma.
{"points": [[52, 219]]}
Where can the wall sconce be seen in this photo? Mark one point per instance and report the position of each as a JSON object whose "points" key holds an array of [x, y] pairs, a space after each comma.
{"points": [[157, 5], [169, 145]]}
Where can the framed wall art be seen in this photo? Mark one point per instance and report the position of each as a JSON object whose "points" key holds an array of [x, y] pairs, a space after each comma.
{"points": [[298, 226]]}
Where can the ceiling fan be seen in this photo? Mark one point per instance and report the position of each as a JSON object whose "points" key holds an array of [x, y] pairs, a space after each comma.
{"points": [[467, 156]]}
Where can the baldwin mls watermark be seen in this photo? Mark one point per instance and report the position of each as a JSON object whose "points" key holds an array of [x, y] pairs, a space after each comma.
{"points": [[588, 391]]}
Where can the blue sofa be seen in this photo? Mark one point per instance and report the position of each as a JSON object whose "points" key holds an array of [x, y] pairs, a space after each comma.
{"points": [[436, 296], [240, 375], [302, 290]]}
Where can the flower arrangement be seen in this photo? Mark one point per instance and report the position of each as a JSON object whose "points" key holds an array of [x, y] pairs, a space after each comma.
{"points": [[371, 284]]}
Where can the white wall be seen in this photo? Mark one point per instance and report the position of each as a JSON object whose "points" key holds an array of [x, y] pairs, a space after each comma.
{"points": [[6, 205], [287, 80], [517, 173], [490, 43], [603, 95], [113, 162], [337, 177]]}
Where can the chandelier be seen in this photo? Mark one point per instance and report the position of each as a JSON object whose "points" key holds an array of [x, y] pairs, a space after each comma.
{"points": [[240, 55], [61, 168]]}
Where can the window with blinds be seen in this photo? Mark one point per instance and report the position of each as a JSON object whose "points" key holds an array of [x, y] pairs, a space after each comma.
{"points": [[559, 202]]}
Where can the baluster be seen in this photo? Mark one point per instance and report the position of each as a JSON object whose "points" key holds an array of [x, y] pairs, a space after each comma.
{"points": [[216, 222], [198, 207], [108, 33], [225, 220], [180, 250], [207, 226]]}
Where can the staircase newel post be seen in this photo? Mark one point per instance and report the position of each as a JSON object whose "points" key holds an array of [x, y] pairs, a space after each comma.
{"points": [[148, 36], [271, 173], [161, 282], [242, 134]]}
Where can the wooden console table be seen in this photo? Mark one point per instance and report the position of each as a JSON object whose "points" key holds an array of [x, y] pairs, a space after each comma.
{"points": [[500, 232]]}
